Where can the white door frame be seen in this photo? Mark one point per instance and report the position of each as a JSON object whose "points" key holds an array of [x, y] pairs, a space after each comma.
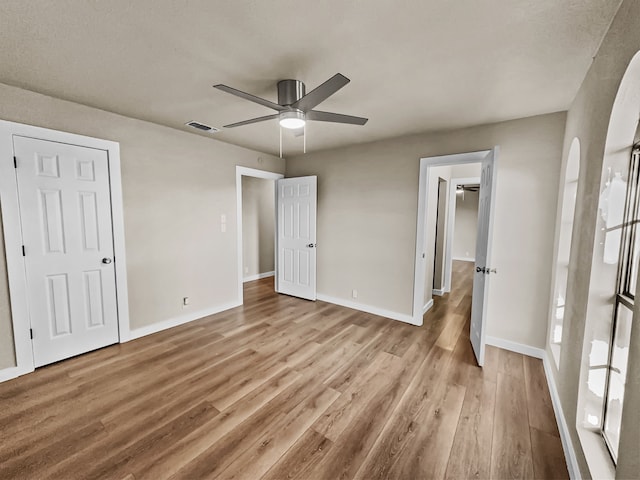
{"points": [[10, 209], [451, 220], [252, 172], [423, 194]]}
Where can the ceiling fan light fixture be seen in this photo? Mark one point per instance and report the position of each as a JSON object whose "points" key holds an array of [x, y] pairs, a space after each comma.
{"points": [[292, 120]]}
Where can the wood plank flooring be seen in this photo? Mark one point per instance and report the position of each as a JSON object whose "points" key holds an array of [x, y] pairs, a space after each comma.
{"points": [[282, 388]]}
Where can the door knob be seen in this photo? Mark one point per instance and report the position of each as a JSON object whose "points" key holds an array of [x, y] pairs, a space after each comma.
{"points": [[106, 260], [486, 270], [311, 245]]}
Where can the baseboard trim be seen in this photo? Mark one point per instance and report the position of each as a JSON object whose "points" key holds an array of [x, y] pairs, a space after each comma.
{"points": [[438, 291], [401, 317], [464, 259], [516, 347], [427, 306], [258, 276], [10, 373], [563, 427], [182, 319]]}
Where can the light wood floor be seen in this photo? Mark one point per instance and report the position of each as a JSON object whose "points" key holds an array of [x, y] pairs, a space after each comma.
{"points": [[284, 388]]}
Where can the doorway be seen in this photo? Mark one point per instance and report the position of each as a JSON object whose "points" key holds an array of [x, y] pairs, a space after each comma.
{"points": [[256, 221], [462, 223], [432, 170], [294, 220], [456, 224], [258, 228], [64, 234]]}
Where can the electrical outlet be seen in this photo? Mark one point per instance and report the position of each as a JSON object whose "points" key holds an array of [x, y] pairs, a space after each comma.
{"points": [[185, 301], [354, 293]]}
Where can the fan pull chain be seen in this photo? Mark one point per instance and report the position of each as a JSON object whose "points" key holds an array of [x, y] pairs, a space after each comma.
{"points": [[280, 141], [304, 138]]}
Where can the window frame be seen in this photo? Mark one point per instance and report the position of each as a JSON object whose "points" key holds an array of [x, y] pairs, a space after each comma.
{"points": [[623, 296]]}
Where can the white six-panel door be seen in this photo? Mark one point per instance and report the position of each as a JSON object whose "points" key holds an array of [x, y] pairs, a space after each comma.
{"points": [[297, 208], [65, 208], [483, 255]]}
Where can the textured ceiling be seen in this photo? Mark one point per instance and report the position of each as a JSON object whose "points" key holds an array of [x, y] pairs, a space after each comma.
{"points": [[414, 65]]}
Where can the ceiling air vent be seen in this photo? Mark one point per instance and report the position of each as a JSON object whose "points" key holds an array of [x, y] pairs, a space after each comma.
{"points": [[202, 126]]}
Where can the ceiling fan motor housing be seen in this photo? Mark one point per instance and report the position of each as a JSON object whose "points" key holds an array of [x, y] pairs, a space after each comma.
{"points": [[290, 91]]}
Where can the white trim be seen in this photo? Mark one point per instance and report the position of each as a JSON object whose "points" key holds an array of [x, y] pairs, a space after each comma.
{"points": [[515, 347], [423, 187], [438, 291], [427, 306], [120, 259], [402, 317], [464, 259], [10, 373], [563, 427], [419, 271], [252, 172], [258, 276], [451, 221], [13, 234], [182, 319]]}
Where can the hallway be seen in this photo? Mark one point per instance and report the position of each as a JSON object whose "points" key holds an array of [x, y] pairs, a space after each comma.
{"points": [[285, 388]]}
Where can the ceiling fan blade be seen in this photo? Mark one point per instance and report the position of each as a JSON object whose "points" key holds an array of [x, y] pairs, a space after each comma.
{"points": [[321, 93], [253, 120], [251, 98], [335, 117]]}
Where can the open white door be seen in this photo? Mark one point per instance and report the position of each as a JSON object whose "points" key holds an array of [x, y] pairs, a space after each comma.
{"points": [[483, 255], [296, 219]]}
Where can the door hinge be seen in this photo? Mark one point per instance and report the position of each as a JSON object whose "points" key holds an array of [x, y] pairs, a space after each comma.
{"points": [[23, 251], [15, 162], [31, 333]]}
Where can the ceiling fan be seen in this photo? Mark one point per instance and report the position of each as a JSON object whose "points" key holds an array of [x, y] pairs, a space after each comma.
{"points": [[294, 107], [469, 188]]}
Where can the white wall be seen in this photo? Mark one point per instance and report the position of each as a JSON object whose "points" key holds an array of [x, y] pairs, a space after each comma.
{"points": [[258, 226], [465, 227], [175, 188], [367, 209]]}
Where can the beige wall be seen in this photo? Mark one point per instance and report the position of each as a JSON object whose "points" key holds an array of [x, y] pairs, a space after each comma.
{"points": [[465, 227], [588, 120], [431, 210], [441, 233], [258, 225], [466, 170], [7, 351], [367, 208], [175, 186]]}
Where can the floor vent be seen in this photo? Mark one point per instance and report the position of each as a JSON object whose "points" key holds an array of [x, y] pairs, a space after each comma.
{"points": [[202, 126]]}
